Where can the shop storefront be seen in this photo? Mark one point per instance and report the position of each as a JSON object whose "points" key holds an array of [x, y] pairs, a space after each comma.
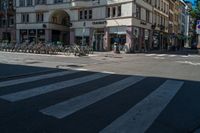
{"points": [[23, 35], [82, 36], [32, 35], [117, 35], [156, 40], [41, 35], [97, 39]]}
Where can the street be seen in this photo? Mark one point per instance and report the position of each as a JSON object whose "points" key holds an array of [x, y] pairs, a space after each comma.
{"points": [[104, 92]]}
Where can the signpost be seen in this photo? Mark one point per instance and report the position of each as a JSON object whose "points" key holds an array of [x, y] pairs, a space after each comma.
{"points": [[198, 27], [198, 33]]}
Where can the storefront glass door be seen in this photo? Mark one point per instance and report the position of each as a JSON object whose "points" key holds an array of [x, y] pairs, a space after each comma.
{"points": [[98, 42]]}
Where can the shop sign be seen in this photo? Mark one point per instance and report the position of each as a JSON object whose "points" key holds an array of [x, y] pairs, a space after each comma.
{"points": [[24, 32], [99, 22], [198, 27], [41, 32], [32, 32]]}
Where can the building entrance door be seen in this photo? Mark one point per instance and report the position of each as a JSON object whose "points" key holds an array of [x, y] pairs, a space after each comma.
{"points": [[55, 35], [98, 42], [136, 44]]}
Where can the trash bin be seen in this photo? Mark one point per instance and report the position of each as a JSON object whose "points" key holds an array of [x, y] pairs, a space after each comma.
{"points": [[116, 48]]}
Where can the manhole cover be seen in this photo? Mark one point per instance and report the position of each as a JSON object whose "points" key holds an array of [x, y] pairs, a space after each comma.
{"points": [[32, 62], [117, 57], [74, 66]]}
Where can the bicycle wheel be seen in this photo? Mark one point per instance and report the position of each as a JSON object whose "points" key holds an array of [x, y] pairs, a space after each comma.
{"points": [[67, 52]]}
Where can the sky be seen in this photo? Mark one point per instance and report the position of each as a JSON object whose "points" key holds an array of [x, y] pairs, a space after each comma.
{"points": [[191, 1]]}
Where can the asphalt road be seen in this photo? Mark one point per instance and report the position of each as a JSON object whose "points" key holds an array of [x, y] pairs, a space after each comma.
{"points": [[106, 93]]}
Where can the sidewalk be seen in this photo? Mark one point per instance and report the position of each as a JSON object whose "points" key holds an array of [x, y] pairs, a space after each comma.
{"points": [[184, 51]]}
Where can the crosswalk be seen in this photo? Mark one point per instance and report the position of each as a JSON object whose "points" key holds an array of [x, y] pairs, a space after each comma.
{"points": [[136, 119]]}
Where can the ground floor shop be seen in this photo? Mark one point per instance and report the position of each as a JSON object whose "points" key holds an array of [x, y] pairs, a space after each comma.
{"points": [[9, 35], [43, 35], [161, 40], [129, 38]]}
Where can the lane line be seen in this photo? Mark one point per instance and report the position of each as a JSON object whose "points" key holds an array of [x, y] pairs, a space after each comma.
{"points": [[70, 106], [140, 117], [34, 78], [21, 95]]}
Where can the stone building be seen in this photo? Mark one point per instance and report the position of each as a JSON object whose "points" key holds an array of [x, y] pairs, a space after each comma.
{"points": [[7, 20], [98, 23]]}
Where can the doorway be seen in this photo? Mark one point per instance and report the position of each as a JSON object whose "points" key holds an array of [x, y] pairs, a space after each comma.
{"points": [[98, 40]]}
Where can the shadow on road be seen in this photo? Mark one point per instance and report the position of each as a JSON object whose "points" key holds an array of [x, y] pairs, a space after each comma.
{"points": [[180, 115]]}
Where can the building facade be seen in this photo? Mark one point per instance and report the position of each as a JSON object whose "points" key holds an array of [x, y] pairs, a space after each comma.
{"points": [[7, 20], [96, 23], [138, 25], [161, 22]]}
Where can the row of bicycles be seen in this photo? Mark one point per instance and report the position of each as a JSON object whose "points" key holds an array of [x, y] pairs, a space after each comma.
{"points": [[47, 48]]}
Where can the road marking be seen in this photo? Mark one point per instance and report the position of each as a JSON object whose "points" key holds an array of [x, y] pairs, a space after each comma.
{"points": [[35, 78], [13, 97], [150, 54], [162, 58], [139, 118], [172, 55], [108, 72], [189, 62], [68, 107], [184, 56], [161, 55]]}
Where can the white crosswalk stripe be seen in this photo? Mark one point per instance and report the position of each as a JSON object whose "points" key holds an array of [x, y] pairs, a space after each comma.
{"points": [[21, 95], [68, 107], [161, 55], [139, 118], [35, 78]]}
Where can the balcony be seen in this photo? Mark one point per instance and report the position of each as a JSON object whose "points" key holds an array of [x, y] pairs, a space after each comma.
{"points": [[80, 3]]}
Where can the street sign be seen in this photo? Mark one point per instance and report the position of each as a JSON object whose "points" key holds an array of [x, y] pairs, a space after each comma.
{"points": [[198, 27]]}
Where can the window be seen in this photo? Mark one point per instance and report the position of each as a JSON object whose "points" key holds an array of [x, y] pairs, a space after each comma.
{"points": [[80, 14], [108, 12], [138, 10], [29, 2], [25, 18], [11, 21], [40, 2], [85, 14], [40, 17], [119, 13], [22, 3], [90, 14], [114, 12], [54, 20], [147, 16], [58, 1]]}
